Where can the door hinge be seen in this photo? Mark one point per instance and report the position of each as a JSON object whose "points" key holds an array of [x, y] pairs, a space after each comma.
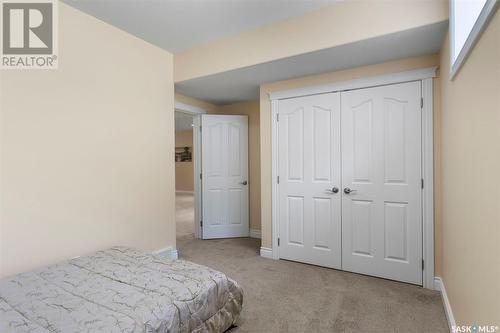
{"points": [[422, 183], [278, 241], [201, 223], [421, 102], [200, 128], [423, 264], [201, 176], [277, 117], [278, 179]]}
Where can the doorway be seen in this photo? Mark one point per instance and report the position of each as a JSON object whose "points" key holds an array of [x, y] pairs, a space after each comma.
{"points": [[184, 175], [212, 174]]}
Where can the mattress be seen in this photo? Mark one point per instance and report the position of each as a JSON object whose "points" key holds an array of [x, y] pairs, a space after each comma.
{"points": [[120, 290]]}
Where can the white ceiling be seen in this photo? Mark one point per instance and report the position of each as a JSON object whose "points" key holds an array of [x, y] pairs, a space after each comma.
{"points": [[183, 121], [243, 84], [177, 25]]}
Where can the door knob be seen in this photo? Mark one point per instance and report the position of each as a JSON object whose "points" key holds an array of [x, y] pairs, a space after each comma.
{"points": [[347, 190], [333, 190], [244, 182]]}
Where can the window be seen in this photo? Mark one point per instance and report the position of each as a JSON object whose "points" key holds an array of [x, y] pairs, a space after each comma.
{"points": [[468, 18]]}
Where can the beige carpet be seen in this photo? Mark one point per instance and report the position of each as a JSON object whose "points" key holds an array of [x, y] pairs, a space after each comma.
{"points": [[184, 214], [283, 296]]}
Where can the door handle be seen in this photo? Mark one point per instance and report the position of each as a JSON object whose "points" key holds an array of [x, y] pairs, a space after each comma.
{"points": [[333, 190], [347, 190], [244, 182]]}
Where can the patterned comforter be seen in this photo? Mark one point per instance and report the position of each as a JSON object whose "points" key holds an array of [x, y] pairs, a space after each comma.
{"points": [[120, 290]]}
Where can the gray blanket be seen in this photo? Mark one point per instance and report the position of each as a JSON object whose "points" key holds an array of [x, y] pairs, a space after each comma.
{"points": [[119, 290]]}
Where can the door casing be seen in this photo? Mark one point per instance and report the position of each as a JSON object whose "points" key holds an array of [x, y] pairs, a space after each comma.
{"points": [[425, 76], [196, 112]]}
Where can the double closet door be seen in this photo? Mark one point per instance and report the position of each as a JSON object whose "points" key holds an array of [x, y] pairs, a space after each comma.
{"points": [[349, 192]]}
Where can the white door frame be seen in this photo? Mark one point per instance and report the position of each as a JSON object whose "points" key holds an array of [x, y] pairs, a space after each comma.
{"points": [[425, 76], [196, 112]]}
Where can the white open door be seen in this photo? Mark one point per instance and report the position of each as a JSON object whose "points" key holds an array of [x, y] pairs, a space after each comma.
{"points": [[309, 179], [381, 175], [224, 176]]}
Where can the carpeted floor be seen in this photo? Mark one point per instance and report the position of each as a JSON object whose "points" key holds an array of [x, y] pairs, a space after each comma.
{"points": [[184, 214], [284, 296]]}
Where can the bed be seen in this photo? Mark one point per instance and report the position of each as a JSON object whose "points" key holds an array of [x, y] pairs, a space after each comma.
{"points": [[120, 290]]}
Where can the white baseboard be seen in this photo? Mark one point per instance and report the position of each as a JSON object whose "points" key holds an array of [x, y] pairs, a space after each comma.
{"points": [[255, 233], [439, 285], [174, 254], [168, 252], [266, 252], [184, 192]]}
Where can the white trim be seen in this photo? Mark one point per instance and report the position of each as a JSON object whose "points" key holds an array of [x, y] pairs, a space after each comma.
{"points": [[428, 190], [439, 285], [414, 75], [425, 76], [275, 189], [186, 108], [479, 26], [184, 192], [255, 233], [174, 254], [266, 252], [196, 112], [198, 212], [168, 252]]}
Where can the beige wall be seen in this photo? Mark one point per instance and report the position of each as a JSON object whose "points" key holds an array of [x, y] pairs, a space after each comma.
{"points": [[470, 177], [342, 23], [184, 177], [265, 119], [251, 109], [86, 150], [438, 188]]}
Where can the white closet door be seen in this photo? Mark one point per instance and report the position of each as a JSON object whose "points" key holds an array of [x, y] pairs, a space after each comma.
{"points": [[224, 158], [381, 165], [309, 168]]}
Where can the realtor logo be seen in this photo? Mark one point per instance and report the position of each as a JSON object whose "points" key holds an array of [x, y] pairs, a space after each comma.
{"points": [[29, 37]]}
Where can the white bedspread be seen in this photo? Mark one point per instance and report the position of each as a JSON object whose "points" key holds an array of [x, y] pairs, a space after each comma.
{"points": [[120, 290]]}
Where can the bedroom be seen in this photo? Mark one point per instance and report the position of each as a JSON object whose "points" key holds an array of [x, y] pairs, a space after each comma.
{"points": [[87, 156]]}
